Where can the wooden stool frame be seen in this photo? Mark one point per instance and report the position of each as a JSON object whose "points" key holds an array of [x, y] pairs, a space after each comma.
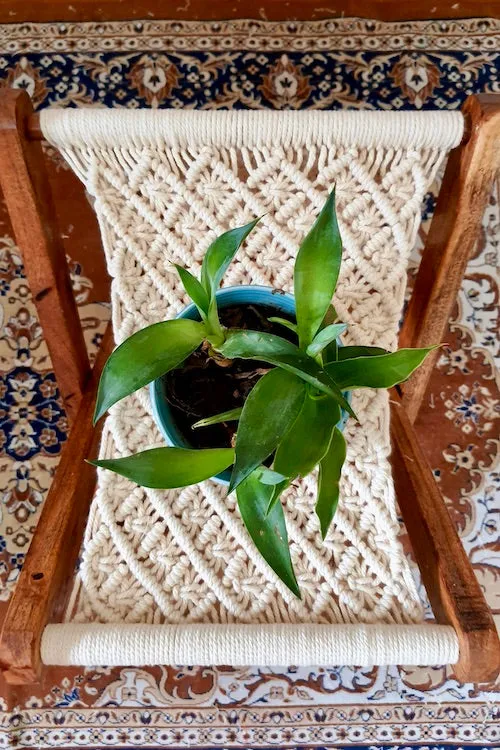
{"points": [[36, 11], [44, 582]]}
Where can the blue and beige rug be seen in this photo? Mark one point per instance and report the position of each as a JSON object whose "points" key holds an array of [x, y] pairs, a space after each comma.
{"points": [[249, 64]]}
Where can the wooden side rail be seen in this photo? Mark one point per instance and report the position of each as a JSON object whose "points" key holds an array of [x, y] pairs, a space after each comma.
{"points": [[453, 234], [35, 11], [453, 590], [49, 567], [25, 185]]}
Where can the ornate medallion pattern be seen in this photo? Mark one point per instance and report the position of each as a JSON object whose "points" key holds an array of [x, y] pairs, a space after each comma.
{"points": [[347, 63]]}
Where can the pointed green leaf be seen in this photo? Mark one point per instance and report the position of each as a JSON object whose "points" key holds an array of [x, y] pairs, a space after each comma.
{"points": [[308, 438], [278, 489], [316, 272], [194, 289], [284, 322], [145, 356], [270, 407], [220, 254], [325, 337], [330, 468], [284, 354], [268, 476], [225, 416], [353, 352], [215, 333], [382, 371], [268, 532], [167, 468], [329, 353]]}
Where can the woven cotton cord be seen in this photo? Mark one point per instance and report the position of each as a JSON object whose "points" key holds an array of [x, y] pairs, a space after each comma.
{"points": [[363, 645], [164, 185], [177, 130]]}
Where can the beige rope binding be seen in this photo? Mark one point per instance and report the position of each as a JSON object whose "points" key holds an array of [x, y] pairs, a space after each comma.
{"points": [[164, 184], [242, 645]]}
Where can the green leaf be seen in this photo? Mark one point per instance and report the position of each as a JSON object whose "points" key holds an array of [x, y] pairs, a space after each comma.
{"points": [[145, 356], [220, 254], [166, 468], [330, 468], [194, 289], [329, 353], [352, 352], [284, 322], [225, 416], [270, 407], [284, 354], [316, 272], [325, 337], [267, 531], [308, 438], [268, 476], [214, 327], [379, 371], [277, 491]]}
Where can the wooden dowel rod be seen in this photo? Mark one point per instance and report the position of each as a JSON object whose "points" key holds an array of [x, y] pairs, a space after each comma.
{"points": [[34, 131]]}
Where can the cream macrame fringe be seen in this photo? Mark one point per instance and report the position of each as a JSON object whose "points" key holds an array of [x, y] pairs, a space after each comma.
{"points": [[164, 184]]}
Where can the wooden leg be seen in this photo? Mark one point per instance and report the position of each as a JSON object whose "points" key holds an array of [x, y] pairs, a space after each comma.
{"points": [[448, 577], [452, 237], [24, 182], [49, 566]]}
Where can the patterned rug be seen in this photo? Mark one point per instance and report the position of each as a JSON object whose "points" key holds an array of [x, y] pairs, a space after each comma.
{"points": [[249, 64]]}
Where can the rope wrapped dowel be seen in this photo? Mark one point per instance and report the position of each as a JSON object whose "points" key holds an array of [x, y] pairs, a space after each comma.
{"points": [[246, 645], [164, 184], [99, 128]]}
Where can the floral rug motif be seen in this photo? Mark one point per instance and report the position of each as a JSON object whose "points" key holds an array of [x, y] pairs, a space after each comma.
{"points": [[348, 63]]}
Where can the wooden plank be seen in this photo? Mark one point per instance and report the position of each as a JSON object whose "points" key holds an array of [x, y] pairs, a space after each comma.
{"points": [[50, 563], [25, 186], [454, 592], [453, 234], [24, 11]]}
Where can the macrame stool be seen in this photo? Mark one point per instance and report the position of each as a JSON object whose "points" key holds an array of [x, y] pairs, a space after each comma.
{"points": [[172, 576]]}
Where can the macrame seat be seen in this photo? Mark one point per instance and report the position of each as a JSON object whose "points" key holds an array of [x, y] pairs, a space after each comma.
{"points": [[172, 576]]}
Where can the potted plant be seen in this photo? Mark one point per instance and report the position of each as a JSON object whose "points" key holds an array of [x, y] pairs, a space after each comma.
{"points": [[241, 376]]}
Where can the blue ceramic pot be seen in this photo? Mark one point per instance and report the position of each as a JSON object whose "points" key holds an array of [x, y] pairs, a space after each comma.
{"points": [[234, 295]]}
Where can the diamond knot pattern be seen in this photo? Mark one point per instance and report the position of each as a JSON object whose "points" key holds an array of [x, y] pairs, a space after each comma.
{"points": [[184, 556]]}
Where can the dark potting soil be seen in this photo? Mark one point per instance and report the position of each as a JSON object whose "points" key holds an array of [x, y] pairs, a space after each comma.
{"points": [[202, 388]]}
